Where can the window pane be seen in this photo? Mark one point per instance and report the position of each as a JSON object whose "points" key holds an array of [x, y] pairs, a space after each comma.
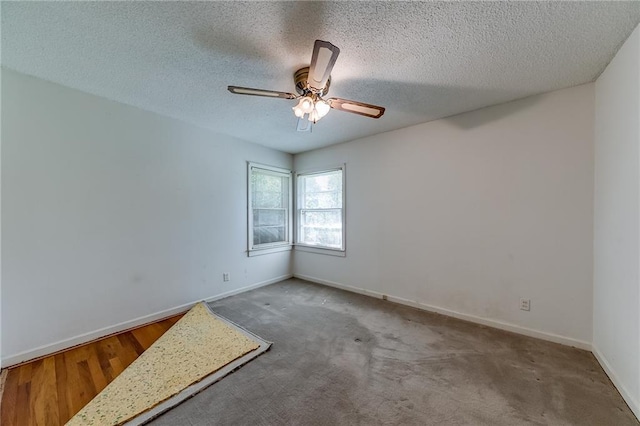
{"points": [[269, 200], [328, 219], [268, 235], [269, 191], [323, 200], [319, 236], [268, 182], [270, 217], [321, 182], [322, 191]]}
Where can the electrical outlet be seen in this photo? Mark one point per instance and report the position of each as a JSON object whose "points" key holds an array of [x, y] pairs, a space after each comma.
{"points": [[225, 276], [525, 304]]}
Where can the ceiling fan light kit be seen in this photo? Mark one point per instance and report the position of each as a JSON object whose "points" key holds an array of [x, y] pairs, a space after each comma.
{"points": [[313, 106], [312, 83]]}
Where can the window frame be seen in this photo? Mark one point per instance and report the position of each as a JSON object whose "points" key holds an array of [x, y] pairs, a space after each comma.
{"points": [[260, 249], [298, 211]]}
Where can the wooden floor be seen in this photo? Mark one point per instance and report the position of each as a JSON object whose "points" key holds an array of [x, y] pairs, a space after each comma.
{"points": [[49, 391]]}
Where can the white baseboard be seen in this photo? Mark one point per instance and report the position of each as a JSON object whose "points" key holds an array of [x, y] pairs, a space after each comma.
{"points": [[126, 325], [443, 311], [633, 405]]}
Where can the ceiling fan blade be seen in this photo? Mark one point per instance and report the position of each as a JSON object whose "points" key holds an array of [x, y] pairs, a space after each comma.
{"points": [[322, 61], [355, 107], [260, 92]]}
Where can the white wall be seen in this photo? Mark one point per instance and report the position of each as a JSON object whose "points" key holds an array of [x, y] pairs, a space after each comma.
{"points": [[0, 216], [616, 326], [111, 213], [467, 215]]}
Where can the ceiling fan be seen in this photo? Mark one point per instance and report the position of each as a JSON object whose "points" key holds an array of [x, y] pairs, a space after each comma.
{"points": [[312, 84]]}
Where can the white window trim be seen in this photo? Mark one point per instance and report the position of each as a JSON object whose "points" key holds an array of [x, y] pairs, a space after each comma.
{"points": [[321, 250], [269, 250], [342, 252], [273, 247]]}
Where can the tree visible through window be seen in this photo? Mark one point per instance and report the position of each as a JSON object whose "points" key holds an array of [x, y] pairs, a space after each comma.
{"points": [[320, 209]]}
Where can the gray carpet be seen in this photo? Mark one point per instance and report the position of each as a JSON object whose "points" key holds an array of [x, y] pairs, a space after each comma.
{"points": [[340, 359]]}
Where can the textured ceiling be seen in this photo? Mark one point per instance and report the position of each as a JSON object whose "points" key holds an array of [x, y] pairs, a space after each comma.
{"points": [[421, 61]]}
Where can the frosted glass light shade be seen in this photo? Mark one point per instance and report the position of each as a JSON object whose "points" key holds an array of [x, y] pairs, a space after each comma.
{"points": [[298, 111], [323, 108], [306, 104], [314, 116]]}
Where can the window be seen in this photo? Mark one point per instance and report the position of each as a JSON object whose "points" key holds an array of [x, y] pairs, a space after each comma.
{"points": [[269, 208], [320, 209]]}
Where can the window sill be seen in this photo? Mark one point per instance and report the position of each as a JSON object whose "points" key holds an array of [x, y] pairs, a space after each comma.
{"points": [[268, 250], [318, 250]]}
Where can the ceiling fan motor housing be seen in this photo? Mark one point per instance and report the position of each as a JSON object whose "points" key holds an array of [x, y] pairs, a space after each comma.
{"points": [[300, 79]]}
